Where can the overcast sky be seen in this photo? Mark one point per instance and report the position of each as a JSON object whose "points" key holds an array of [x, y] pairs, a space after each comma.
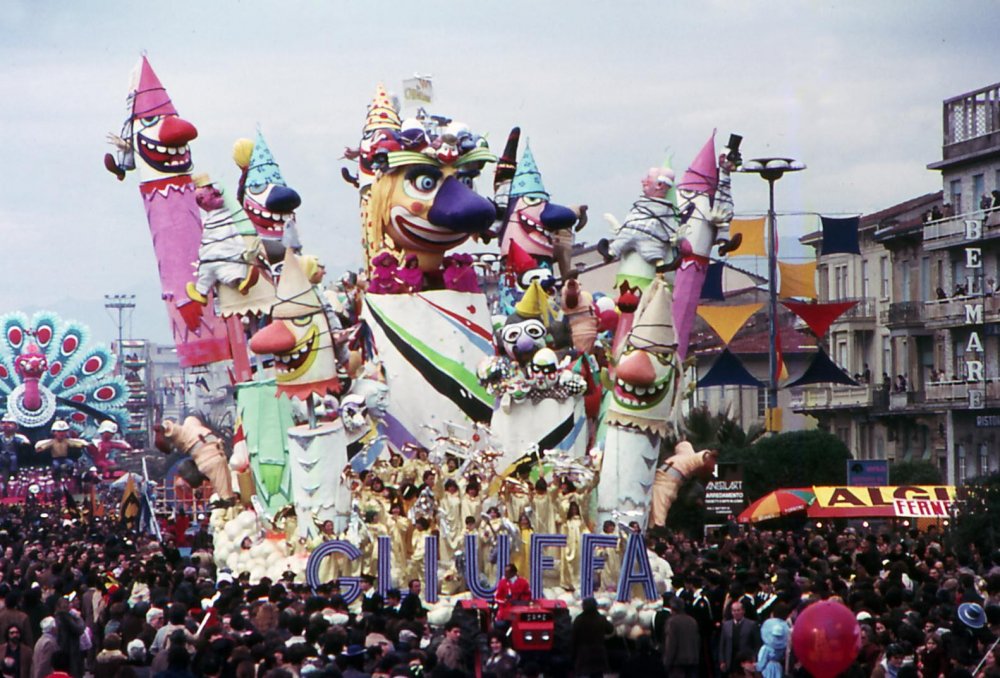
{"points": [[603, 90]]}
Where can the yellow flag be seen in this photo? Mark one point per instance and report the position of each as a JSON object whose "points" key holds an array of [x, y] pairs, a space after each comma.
{"points": [[798, 280], [752, 231], [726, 321]]}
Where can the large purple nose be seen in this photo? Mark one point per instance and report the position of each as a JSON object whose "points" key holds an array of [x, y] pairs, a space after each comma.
{"points": [[557, 217], [458, 208], [283, 199]]}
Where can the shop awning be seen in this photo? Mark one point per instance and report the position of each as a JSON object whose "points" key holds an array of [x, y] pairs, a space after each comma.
{"points": [[888, 501]]}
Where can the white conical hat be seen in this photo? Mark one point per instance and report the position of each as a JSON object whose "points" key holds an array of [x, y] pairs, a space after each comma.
{"points": [[297, 297], [653, 327]]}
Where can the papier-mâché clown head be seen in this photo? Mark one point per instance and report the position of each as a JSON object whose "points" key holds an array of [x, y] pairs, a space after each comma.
{"points": [[299, 337], [648, 372], [159, 136], [531, 217], [267, 199], [421, 199]]}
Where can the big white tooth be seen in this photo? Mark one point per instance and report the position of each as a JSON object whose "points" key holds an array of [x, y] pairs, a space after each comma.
{"points": [[161, 149], [628, 387], [172, 150], [266, 214], [639, 390]]}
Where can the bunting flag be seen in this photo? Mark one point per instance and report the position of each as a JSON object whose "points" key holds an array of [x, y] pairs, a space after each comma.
{"points": [[726, 321], [822, 370], [782, 369], [711, 289], [819, 317], [798, 280], [840, 235], [752, 231], [728, 371]]}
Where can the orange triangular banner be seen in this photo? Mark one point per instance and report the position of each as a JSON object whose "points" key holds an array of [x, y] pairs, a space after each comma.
{"points": [[752, 231], [726, 321], [798, 280]]}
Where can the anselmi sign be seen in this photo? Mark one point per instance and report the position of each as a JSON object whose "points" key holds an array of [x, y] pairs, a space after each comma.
{"points": [[888, 501]]}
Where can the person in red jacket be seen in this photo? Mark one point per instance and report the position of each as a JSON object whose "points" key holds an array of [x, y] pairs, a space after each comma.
{"points": [[510, 589]]}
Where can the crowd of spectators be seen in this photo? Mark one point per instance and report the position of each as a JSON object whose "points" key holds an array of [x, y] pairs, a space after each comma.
{"points": [[87, 597]]}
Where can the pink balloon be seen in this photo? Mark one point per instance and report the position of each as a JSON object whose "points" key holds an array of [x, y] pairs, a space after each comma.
{"points": [[826, 638]]}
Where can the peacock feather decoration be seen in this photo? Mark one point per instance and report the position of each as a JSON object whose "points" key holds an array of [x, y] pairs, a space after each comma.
{"points": [[49, 370]]}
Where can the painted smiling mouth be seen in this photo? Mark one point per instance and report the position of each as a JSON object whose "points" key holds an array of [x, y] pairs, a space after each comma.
{"points": [[294, 364], [534, 230], [426, 235], [640, 397], [268, 224], [164, 158]]}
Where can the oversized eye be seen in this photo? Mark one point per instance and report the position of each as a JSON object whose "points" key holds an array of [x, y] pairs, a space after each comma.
{"points": [[532, 200], [511, 334], [150, 121], [302, 322], [468, 181], [421, 182], [664, 358], [535, 331]]}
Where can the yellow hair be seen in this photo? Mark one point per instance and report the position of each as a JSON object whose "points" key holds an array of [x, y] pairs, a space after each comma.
{"points": [[376, 214]]}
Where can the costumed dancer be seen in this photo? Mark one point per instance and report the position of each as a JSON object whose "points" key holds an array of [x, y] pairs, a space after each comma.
{"points": [[12, 446], [574, 529], [62, 447], [155, 141], [644, 401], [105, 446]]}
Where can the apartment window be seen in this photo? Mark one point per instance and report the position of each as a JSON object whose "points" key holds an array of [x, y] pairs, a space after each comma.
{"points": [[883, 264], [761, 402], [844, 433], [841, 282], [978, 189], [960, 471], [904, 271], [956, 195], [887, 355], [842, 354], [984, 460], [864, 278]]}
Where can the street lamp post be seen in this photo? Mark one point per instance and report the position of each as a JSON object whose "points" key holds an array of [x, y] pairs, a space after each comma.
{"points": [[772, 169]]}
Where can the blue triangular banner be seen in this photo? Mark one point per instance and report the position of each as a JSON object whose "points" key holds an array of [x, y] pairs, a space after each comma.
{"points": [[728, 371], [822, 370]]}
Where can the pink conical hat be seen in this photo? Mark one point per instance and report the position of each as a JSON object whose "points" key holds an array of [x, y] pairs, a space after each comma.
{"points": [[703, 174], [150, 96]]}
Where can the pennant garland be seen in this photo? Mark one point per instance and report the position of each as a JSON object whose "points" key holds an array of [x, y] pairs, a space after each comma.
{"points": [[840, 235], [728, 371], [798, 280], [819, 317], [711, 289], [822, 370], [726, 321], [752, 231]]}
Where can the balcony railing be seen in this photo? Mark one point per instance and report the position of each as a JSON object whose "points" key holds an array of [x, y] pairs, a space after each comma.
{"points": [[973, 114], [863, 310], [840, 396], [950, 231], [953, 310], [900, 400], [903, 313], [957, 391]]}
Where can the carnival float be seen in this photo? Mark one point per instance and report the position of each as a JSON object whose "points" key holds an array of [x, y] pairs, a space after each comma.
{"points": [[440, 413]]}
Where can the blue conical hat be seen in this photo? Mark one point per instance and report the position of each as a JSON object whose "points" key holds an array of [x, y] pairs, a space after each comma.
{"points": [[527, 180], [263, 169]]}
